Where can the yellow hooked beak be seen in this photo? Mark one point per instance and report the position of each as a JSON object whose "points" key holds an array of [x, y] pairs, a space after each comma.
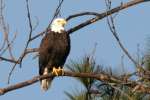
{"points": [[63, 22]]}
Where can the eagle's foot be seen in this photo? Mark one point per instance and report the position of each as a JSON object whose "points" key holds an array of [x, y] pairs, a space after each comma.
{"points": [[58, 71], [61, 70]]}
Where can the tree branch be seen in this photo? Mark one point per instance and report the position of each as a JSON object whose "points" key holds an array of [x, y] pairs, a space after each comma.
{"points": [[20, 59], [99, 76], [98, 16], [110, 21], [30, 33], [82, 14], [9, 60], [105, 14], [56, 13]]}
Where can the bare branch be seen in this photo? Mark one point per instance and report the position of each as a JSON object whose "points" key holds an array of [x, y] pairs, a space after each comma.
{"points": [[82, 14], [101, 77], [57, 12], [9, 60], [11, 42], [98, 16], [38, 35], [105, 14], [1, 18], [27, 43], [30, 33], [19, 60], [5, 31], [114, 32]]}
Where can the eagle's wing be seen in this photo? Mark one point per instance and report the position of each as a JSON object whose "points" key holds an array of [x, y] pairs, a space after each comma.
{"points": [[45, 50]]}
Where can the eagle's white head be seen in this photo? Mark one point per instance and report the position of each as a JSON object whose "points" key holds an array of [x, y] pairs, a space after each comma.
{"points": [[58, 25]]}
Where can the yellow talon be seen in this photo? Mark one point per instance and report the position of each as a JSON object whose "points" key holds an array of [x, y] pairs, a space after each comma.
{"points": [[58, 71], [54, 71], [61, 71]]}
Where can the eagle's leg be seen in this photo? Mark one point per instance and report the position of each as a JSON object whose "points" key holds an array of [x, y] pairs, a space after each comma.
{"points": [[58, 71]]}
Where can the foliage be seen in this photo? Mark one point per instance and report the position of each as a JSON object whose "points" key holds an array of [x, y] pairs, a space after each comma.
{"points": [[97, 90], [87, 65], [75, 96]]}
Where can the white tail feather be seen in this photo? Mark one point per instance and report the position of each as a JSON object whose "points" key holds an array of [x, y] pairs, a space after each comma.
{"points": [[45, 84]]}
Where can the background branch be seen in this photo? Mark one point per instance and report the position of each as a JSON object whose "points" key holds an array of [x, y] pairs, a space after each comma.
{"points": [[27, 43], [5, 32], [97, 18], [82, 14], [110, 21], [56, 13], [9, 60], [105, 14]]}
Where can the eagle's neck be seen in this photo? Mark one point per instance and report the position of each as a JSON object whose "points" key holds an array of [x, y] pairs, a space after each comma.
{"points": [[57, 28]]}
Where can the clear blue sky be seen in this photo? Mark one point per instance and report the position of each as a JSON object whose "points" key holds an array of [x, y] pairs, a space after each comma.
{"points": [[132, 25]]}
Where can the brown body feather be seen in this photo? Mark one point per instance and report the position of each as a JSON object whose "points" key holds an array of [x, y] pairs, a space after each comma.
{"points": [[53, 51]]}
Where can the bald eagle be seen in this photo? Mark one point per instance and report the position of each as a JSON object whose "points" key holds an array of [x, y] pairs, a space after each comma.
{"points": [[53, 50]]}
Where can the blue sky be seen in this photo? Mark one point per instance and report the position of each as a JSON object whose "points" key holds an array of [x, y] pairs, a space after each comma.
{"points": [[132, 25]]}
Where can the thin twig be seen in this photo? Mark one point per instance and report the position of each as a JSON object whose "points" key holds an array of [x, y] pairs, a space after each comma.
{"points": [[19, 61], [9, 60], [38, 35], [6, 40], [82, 14], [27, 43], [6, 31], [57, 11], [30, 33], [125, 94], [11, 42], [1, 18], [114, 32]]}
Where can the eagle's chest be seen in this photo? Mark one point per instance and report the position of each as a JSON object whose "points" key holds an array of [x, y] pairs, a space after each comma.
{"points": [[60, 43], [54, 49]]}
